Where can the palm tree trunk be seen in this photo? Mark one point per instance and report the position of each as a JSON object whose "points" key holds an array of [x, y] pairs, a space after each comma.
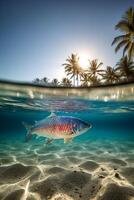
{"points": [[74, 80], [77, 79]]}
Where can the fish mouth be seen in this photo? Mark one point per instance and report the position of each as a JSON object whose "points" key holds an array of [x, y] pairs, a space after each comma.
{"points": [[88, 126]]}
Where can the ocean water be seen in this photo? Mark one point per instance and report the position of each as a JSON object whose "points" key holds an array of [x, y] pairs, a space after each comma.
{"points": [[97, 165]]}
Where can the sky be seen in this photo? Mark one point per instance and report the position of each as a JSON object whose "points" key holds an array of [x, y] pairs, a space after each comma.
{"points": [[36, 36]]}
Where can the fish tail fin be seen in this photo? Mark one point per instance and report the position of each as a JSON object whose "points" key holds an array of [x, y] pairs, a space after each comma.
{"points": [[29, 132]]}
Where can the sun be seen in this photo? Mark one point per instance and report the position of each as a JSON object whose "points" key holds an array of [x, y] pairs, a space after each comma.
{"points": [[84, 60]]}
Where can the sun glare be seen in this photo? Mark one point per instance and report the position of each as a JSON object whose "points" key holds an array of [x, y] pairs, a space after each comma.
{"points": [[84, 60]]}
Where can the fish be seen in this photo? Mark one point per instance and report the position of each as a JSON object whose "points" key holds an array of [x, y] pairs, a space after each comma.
{"points": [[57, 127]]}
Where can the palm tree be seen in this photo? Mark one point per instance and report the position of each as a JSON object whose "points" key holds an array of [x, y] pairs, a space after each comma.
{"points": [[85, 79], [37, 81], [79, 73], [126, 25], [94, 70], [94, 80], [72, 67], [45, 80], [110, 75], [66, 82], [125, 67], [55, 82]]}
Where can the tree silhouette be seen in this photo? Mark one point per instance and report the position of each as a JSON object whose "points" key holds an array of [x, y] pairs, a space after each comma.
{"points": [[126, 41]]}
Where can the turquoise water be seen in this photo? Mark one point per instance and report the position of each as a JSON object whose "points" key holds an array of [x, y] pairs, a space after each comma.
{"points": [[107, 148], [110, 120]]}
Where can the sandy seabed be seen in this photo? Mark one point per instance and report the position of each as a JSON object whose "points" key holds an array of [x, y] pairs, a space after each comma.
{"points": [[88, 170]]}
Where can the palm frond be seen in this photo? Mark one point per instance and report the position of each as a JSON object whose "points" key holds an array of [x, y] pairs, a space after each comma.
{"points": [[99, 65], [131, 51], [129, 14], [123, 26], [121, 44], [126, 25], [120, 38], [126, 48]]}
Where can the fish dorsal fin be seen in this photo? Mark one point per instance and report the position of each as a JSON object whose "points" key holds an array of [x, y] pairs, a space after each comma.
{"points": [[52, 114], [66, 140]]}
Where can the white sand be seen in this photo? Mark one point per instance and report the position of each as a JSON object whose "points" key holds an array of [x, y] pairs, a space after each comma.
{"points": [[91, 170]]}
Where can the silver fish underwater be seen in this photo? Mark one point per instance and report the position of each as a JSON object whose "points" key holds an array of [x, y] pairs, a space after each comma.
{"points": [[58, 127]]}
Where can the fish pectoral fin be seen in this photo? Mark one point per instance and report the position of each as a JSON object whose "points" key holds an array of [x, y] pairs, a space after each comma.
{"points": [[66, 140], [52, 115], [49, 140]]}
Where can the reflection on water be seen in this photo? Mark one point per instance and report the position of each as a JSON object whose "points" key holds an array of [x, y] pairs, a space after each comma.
{"points": [[27, 96], [106, 93]]}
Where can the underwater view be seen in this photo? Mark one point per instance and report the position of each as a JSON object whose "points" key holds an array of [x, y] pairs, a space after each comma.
{"points": [[66, 100], [81, 143]]}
